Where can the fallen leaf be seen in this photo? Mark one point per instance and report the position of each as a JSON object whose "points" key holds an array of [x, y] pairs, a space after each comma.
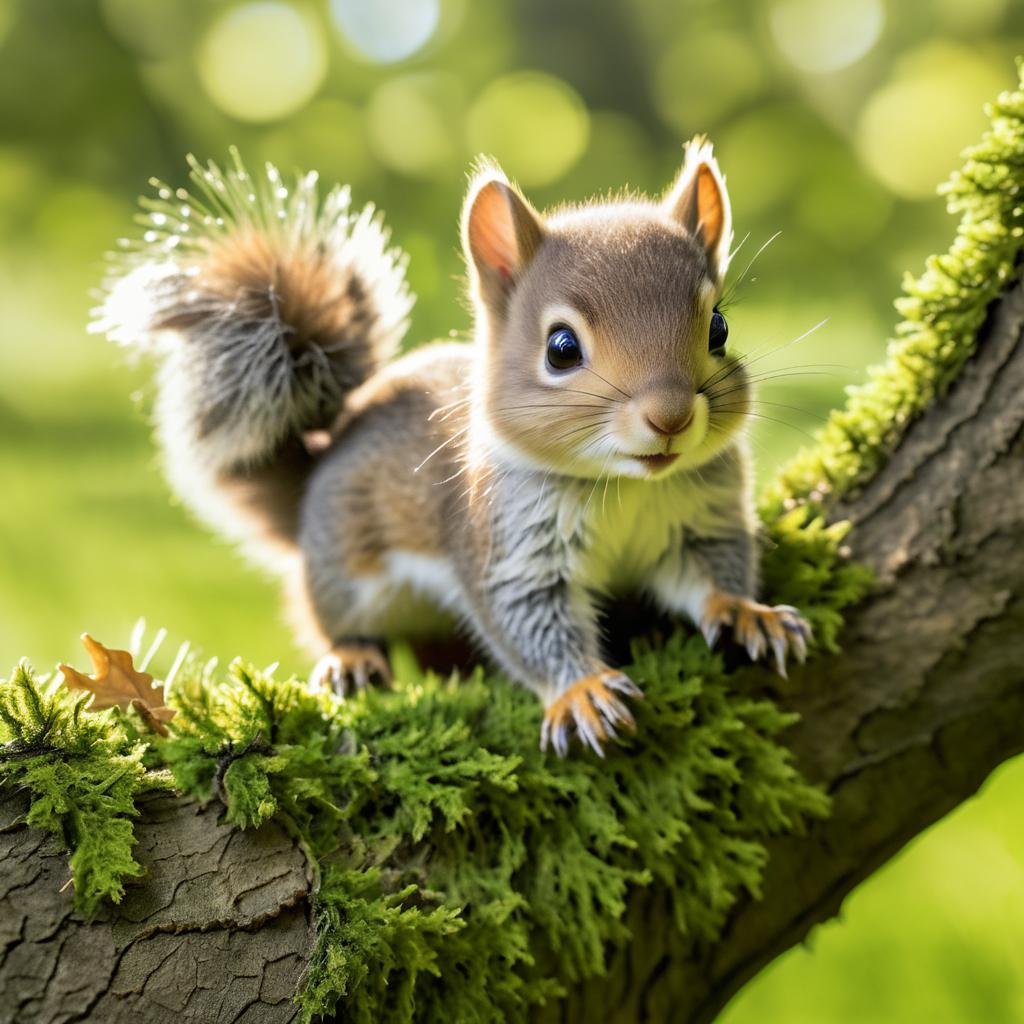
{"points": [[116, 682]]}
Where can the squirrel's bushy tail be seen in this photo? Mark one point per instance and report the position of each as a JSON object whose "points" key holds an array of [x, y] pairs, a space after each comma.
{"points": [[264, 305]]}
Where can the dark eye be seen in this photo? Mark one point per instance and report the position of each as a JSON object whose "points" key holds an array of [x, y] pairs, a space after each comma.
{"points": [[718, 334], [564, 350]]}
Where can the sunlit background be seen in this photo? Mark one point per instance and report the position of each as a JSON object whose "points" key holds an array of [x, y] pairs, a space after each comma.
{"points": [[833, 119]]}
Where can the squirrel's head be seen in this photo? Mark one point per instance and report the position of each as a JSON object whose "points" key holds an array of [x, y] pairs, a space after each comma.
{"points": [[603, 352]]}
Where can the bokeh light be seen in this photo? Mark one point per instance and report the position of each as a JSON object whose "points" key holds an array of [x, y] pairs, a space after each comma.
{"points": [[262, 61], [152, 29], [534, 121], [619, 155], [764, 155], [409, 124], [386, 30], [913, 128], [840, 202], [704, 76], [6, 19], [977, 18], [329, 136], [825, 35]]}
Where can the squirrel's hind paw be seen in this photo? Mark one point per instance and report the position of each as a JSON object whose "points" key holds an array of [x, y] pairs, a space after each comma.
{"points": [[760, 628], [348, 668], [592, 706]]}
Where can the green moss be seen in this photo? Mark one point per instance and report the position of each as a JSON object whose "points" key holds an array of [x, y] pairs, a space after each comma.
{"points": [[452, 849], [83, 774], [944, 310], [804, 565], [463, 874], [265, 748]]}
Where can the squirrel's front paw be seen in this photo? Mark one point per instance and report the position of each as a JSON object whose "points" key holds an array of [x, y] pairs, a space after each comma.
{"points": [[350, 667], [759, 627], [589, 705]]}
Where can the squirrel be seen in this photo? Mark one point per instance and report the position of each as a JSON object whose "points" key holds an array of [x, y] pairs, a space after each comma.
{"points": [[588, 440]]}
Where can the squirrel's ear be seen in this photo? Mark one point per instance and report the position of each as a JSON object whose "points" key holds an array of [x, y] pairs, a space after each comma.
{"points": [[700, 203], [501, 232]]}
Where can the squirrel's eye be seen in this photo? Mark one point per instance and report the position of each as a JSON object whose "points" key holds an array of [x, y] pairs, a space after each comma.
{"points": [[564, 350], [718, 333]]}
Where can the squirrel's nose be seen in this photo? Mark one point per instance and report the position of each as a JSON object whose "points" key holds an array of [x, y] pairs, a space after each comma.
{"points": [[669, 423]]}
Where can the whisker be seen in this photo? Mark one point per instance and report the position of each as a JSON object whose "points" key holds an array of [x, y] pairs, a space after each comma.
{"points": [[608, 382], [543, 485], [749, 358], [591, 394], [757, 442], [449, 406], [593, 489], [454, 476], [586, 417], [771, 375], [778, 405], [792, 408], [572, 433], [444, 444], [732, 289], [742, 242], [774, 419], [552, 405], [723, 374]]}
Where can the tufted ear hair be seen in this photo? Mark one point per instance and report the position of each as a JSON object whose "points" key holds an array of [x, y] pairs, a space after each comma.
{"points": [[501, 232], [699, 202]]}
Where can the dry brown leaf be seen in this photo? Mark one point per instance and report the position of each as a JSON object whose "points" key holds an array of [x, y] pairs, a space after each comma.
{"points": [[116, 682]]}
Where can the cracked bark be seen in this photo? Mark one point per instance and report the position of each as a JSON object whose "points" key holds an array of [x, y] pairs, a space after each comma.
{"points": [[924, 701], [218, 930]]}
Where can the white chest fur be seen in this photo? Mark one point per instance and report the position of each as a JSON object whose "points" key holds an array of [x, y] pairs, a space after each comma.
{"points": [[617, 533]]}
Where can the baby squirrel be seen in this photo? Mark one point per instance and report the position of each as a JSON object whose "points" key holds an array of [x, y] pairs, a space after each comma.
{"points": [[588, 441]]}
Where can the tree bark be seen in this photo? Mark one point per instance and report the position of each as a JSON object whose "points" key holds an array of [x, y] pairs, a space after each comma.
{"points": [[924, 701], [220, 930]]}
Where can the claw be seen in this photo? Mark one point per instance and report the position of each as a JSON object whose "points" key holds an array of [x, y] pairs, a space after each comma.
{"points": [[755, 646], [779, 653], [711, 631], [591, 707], [759, 628], [799, 646], [348, 668], [621, 683]]}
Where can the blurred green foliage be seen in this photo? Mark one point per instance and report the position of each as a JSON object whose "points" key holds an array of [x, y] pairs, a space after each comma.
{"points": [[833, 121]]}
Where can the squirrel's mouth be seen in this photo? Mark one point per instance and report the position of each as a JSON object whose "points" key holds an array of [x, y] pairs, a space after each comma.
{"points": [[657, 462]]}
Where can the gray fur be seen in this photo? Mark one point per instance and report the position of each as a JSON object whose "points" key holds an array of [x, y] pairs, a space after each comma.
{"points": [[729, 561], [525, 603]]}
